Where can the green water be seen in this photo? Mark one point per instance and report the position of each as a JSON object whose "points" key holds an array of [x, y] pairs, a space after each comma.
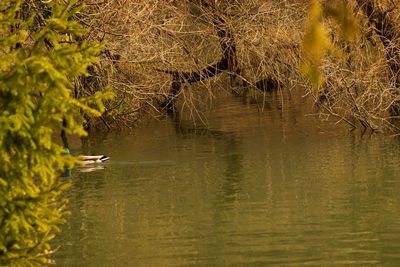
{"points": [[271, 188]]}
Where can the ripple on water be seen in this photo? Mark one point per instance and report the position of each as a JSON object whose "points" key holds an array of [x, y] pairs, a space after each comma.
{"points": [[251, 190]]}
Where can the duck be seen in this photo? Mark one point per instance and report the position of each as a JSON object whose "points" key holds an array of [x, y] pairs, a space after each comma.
{"points": [[82, 159], [85, 160]]}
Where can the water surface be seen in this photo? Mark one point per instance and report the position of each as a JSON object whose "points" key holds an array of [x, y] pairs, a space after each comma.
{"points": [[270, 188]]}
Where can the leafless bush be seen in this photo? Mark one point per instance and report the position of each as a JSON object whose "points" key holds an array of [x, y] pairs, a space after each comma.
{"points": [[147, 39], [362, 86]]}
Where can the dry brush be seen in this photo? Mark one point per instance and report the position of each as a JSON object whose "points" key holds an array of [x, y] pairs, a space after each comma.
{"points": [[174, 55]]}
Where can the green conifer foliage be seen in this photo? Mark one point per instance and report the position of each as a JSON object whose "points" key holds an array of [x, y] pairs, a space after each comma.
{"points": [[39, 59]]}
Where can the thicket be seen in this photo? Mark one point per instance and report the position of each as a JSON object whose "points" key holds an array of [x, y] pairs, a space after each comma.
{"points": [[176, 55], [163, 55], [41, 55], [361, 85]]}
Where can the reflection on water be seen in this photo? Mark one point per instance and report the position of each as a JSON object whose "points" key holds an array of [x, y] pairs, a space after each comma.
{"points": [[252, 189]]}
